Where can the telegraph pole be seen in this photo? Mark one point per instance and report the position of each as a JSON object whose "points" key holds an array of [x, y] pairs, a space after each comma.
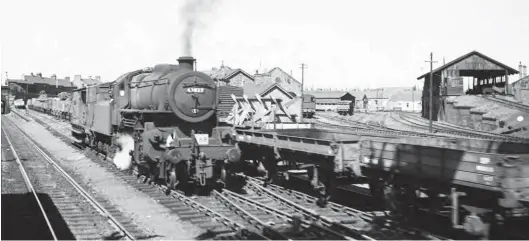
{"points": [[431, 91], [303, 66], [8, 90]]}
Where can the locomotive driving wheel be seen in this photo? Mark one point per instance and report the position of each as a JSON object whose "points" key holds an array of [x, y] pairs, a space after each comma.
{"points": [[139, 159], [222, 180]]}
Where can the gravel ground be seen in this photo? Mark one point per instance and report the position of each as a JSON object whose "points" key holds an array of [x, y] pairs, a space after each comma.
{"points": [[11, 176], [141, 208]]}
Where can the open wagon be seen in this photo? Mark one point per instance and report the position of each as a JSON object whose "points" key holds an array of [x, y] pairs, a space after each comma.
{"points": [[481, 181]]}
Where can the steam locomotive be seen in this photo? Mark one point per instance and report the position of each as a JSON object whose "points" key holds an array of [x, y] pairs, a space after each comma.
{"points": [[169, 113]]}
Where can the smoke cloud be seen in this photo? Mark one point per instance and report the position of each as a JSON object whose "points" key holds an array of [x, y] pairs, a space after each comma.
{"points": [[122, 159], [193, 13]]}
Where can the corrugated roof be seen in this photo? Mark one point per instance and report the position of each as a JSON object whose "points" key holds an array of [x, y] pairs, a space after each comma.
{"points": [[406, 95], [455, 61]]}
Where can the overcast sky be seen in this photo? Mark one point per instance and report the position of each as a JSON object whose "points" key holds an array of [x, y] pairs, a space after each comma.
{"points": [[344, 43]]}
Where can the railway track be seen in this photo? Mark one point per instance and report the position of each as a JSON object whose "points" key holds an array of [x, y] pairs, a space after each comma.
{"points": [[86, 217], [440, 129], [252, 219], [339, 217], [453, 130], [369, 130]]}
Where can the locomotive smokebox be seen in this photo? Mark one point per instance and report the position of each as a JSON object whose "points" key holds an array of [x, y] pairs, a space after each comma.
{"points": [[186, 62]]}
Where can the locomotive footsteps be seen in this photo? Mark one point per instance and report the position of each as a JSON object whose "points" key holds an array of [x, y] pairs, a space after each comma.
{"points": [[122, 159]]}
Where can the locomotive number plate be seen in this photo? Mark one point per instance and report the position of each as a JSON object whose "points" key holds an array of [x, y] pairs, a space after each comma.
{"points": [[202, 139], [195, 90]]}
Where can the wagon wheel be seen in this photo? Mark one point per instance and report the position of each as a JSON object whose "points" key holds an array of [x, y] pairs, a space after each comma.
{"points": [[172, 180], [222, 181], [376, 187], [99, 147], [107, 150], [399, 199]]}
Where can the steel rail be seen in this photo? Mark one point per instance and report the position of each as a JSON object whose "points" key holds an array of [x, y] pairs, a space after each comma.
{"points": [[78, 187], [29, 185]]}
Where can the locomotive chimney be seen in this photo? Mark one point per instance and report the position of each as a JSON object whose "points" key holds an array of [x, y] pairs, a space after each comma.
{"points": [[186, 62]]}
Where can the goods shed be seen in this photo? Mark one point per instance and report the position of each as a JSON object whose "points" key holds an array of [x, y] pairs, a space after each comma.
{"points": [[487, 76]]}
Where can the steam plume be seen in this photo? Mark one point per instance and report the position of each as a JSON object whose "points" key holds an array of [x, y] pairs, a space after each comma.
{"points": [[192, 13], [122, 159]]}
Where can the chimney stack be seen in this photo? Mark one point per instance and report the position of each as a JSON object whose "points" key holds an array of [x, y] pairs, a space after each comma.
{"points": [[98, 78], [524, 70], [520, 69], [186, 62]]}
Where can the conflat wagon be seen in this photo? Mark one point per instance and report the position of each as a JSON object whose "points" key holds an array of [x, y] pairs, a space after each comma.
{"points": [[481, 180]]}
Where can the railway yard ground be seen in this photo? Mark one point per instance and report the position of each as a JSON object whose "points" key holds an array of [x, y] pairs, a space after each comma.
{"points": [[129, 207]]}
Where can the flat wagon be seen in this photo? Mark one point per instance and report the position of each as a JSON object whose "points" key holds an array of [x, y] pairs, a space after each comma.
{"points": [[482, 181]]}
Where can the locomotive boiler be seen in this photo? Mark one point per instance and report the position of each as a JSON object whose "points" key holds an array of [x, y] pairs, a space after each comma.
{"points": [[169, 111]]}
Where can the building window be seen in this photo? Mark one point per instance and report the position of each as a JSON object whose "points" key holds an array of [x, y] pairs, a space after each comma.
{"points": [[407, 104], [278, 80], [376, 102]]}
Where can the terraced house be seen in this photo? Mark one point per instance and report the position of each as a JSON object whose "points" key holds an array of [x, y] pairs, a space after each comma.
{"points": [[34, 84]]}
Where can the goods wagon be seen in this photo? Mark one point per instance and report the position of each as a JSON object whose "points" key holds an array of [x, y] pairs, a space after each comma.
{"points": [[309, 106]]}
